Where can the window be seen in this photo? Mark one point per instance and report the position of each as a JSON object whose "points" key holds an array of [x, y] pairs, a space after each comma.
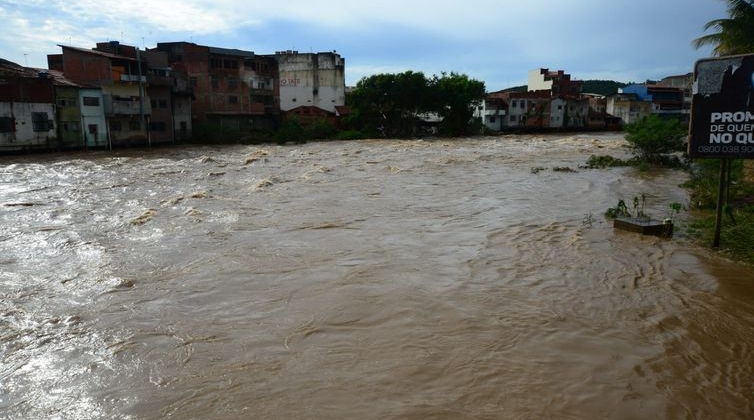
{"points": [[66, 101], [93, 127], [40, 122], [70, 125], [214, 82], [193, 81], [7, 125], [232, 83], [232, 99], [114, 126], [91, 101], [163, 103], [134, 125], [154, 103]]}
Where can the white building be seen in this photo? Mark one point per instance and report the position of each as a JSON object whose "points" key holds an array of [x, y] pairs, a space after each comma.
{"points": [[93, 120], [311, 79]]}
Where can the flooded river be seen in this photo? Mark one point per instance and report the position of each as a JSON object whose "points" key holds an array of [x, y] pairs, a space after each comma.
{"points": [[425, 279]]}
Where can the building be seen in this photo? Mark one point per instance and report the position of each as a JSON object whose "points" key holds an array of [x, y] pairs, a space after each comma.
{"points": [[68, 112], [27, 108], [492, 111], [311, 79], [664, 100], [120, 73], [558, 83], [683, 82], [232, 89], [629, 107]]}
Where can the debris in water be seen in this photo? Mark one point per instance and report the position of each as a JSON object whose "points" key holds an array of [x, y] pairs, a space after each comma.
{"points": [[19, 204], [256, 156], [199, 194], [263, 183], [144, 218]]}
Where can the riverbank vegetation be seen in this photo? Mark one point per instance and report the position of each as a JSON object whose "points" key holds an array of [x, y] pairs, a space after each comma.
{"points": [[737, 227]]}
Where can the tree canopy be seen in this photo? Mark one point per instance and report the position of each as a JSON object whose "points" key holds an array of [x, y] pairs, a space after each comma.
{"points": [[734, 34], [395, 103]]}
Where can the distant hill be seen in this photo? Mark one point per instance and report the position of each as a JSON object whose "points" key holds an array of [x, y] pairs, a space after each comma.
{"points": [[600, 87]]}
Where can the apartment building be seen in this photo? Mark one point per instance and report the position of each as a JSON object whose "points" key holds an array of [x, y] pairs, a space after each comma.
{"points": [[231, 89]]}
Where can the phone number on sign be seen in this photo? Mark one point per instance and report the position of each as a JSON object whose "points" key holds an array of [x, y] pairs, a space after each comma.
{"points": [[725, 149]]}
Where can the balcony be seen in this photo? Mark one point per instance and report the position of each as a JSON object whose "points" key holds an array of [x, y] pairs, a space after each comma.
{"points": [[119, 105], [132, 78]]}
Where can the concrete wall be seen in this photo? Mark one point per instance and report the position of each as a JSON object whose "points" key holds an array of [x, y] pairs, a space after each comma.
{"points": [[311, 79], [33, 125]]}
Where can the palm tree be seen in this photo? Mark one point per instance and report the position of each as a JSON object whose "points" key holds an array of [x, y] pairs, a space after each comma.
{"points": [[734, 35]]}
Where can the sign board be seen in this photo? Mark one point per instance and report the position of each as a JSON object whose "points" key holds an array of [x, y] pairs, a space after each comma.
{"points": [[722, 108]]}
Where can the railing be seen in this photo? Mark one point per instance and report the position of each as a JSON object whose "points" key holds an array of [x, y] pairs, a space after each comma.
{"points": [[132, 78], [126, 106]]}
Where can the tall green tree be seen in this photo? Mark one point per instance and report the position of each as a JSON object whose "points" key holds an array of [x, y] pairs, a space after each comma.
{"points": [[734, 34], [455, 97], [390, 102], [394, 102]]}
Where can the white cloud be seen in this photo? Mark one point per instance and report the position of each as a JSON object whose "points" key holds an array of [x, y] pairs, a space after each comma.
{"points": [[498, 40]]}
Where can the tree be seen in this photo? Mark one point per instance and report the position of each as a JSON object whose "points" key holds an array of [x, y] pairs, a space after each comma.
{"points": [[390, 102], [735, 34], [455, 98], [394, 102], [654, 137]]}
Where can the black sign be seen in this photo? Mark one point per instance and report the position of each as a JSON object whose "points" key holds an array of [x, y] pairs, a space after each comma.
{"points": [[722, 108]]}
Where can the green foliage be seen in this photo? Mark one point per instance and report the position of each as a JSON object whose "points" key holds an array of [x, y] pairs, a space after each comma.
{"points": [[320, 130], [736, 239], [290, 131], [732, 35], [455, 98], [392, 104], [605, 161], [653, 137]]}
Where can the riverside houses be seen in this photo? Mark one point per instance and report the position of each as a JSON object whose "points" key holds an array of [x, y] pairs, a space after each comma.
{"points": [[120, 73], [118, 95], [27, 110]]}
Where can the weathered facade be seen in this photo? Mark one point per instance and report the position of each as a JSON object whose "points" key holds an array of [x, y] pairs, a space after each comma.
{"points": [[231, 89], [68, 116], [121, 74], [628, 107], [93, 119], [27, 110], [559, 83], [311, 79], [664, 100]]}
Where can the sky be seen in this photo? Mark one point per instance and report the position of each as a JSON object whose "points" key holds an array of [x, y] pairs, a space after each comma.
{"points": [[494, 41]]}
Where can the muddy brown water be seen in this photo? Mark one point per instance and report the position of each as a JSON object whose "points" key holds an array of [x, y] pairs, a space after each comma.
{"points": [[424, 279]]}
